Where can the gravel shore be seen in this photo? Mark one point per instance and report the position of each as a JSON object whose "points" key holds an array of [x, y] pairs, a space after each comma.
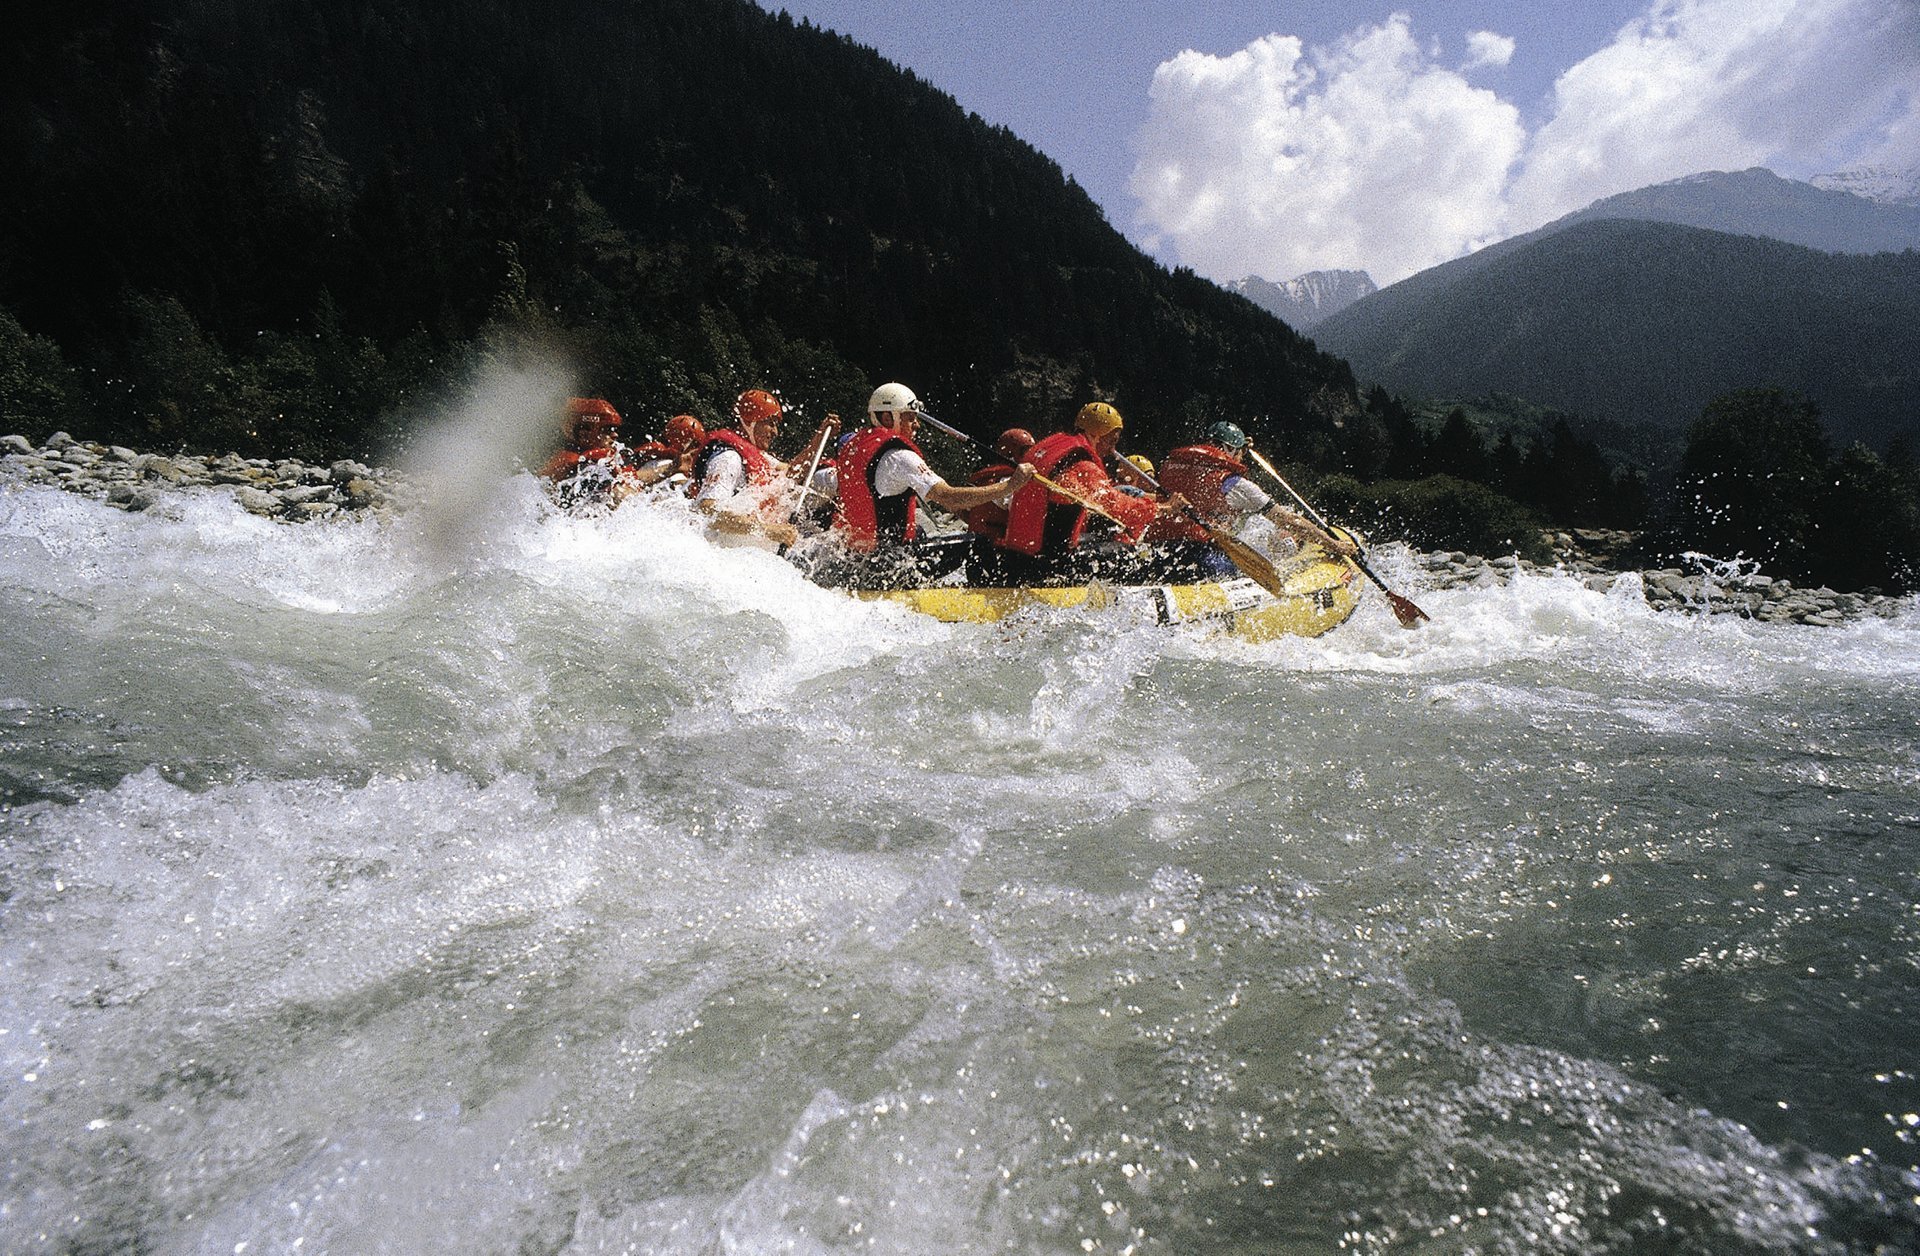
{"points": [[294, 491]]}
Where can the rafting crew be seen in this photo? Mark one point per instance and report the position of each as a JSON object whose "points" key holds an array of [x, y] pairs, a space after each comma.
{"points": [[735, 479], [592, 467], [1071, 522], [1212, 477], [878, 480]]}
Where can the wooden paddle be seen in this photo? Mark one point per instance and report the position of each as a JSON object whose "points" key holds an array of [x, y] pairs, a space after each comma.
{"points": [[1404, 610]]}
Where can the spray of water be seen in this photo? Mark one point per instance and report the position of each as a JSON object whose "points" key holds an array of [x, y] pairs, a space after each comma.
{"points": [[506, 418]]}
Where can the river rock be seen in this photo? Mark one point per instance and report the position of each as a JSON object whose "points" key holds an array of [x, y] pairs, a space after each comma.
{"points": [[130, 498], [161, 468], [306, 494], [258, 501], [16, 444]]}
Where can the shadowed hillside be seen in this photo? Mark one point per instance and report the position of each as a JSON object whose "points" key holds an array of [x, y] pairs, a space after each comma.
{"points": [[261, 224], [1645, 322]]}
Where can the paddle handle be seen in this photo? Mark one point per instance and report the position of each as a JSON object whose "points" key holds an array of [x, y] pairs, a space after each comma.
{"points": [[948, 428]]}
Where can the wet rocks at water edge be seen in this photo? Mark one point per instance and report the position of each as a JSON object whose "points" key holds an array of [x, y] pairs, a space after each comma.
{"points": [[1599, 557], [284, 488]]}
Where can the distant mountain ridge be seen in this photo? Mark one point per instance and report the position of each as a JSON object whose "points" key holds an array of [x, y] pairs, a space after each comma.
{"points": [[1758, 202], [1644, 322], [1309, 299]]}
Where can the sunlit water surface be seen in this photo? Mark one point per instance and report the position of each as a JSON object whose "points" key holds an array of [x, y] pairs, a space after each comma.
{"points": [[551, 884]]}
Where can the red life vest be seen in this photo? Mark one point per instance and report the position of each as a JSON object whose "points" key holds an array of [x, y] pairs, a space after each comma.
{"points": [[866, 519], [760, 469], [562, 465], [990, 518], [589, 475], [1199, 473], [1034, 518]]}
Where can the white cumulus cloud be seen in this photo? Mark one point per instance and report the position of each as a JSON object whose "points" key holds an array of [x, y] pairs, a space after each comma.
{"points": [[1280, 159], [1276, 161], [1718, 85], [1487, 48]]}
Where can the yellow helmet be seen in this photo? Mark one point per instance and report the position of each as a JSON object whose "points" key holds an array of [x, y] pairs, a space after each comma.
{"points": [[1142, 461], [1097, 418]]}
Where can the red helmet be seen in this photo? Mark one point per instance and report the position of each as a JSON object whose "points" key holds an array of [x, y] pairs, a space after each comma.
{"points": [[1013, 442], [756, 404], [683, 432], [592, 412]]}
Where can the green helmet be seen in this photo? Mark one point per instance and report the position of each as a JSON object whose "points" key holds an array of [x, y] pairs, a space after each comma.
{"points": [[1226, 436]]}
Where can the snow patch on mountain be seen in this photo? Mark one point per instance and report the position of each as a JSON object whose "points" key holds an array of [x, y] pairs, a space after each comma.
{"points": [[1884, 184], [1309, 299]]}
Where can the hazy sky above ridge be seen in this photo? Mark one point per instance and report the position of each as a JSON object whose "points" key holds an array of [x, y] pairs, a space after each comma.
{"points": [[1278, 138]]}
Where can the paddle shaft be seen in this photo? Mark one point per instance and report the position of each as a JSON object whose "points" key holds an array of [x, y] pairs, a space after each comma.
{"points": [[821, 438], [1085, 503], [1359, 559], [819, 451], [1403, 608]]}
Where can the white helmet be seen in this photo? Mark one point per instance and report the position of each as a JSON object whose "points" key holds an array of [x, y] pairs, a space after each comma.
{"points": [[892, 399]]}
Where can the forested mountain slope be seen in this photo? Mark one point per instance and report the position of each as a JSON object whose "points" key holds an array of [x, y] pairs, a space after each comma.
{"points": [[327, 199], [1646, 322]]}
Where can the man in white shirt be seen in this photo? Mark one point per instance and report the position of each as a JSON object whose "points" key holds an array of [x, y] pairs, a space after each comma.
{"points": [[880, 477], [737, 482]]}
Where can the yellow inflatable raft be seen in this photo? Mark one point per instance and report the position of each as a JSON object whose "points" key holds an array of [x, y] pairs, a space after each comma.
{"points": [[1317, 597]]}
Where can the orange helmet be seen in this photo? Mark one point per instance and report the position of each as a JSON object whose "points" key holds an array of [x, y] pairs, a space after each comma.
{"points": [[1013, 442], [756, 404], [592, 412], [683, 432]]}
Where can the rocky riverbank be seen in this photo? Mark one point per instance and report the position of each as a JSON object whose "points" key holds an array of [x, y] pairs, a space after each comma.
{"points": [[294, 491], [1711, 586], [276, 489]]}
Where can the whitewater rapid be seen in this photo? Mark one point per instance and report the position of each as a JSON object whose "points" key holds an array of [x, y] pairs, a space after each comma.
{"points": [[504, 880]]}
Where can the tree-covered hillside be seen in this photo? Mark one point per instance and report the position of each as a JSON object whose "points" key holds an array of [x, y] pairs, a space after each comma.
{"points": [[1641, 322], [272, 223]]}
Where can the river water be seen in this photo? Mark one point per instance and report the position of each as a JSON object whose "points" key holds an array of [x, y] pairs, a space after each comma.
{"points": [[551, 884]]}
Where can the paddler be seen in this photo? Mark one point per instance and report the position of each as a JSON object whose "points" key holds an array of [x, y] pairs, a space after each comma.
{"points": [[880, 477], [738, 482], [673, 453], [1211, 475], [990, 520], [1050, 538], [592, 468]]}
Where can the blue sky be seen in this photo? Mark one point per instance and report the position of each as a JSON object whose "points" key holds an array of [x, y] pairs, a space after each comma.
{"points": [[1277, 138]]}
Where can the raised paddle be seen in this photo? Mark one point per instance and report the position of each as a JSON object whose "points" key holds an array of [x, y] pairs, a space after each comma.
{"points": [[828, 426], [1404, 610], [1251, 562]]}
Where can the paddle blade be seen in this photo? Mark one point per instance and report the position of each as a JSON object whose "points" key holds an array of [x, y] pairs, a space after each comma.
{"points": [[1404, 610], [1251, 562]]}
